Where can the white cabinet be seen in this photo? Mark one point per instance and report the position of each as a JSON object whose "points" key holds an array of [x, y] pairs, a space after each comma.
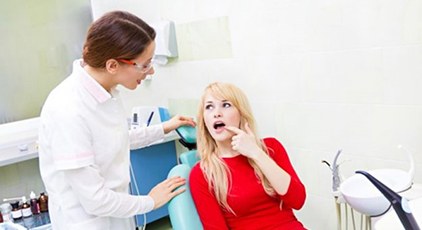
{"points": [[18, 141]]}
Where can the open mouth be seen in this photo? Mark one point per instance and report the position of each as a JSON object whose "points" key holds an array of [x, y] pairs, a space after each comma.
{"points": [[219, 125]]}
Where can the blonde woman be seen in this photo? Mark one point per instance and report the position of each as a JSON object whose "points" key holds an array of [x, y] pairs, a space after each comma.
{"points": [[241, 181]]}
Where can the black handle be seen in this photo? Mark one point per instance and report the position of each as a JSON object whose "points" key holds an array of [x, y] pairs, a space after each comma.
{"points": [[399, 203]]}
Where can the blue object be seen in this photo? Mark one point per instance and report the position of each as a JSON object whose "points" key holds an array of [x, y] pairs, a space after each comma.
{"points": [[150, 118], [181, 208], [150, 167], [164, 114]]}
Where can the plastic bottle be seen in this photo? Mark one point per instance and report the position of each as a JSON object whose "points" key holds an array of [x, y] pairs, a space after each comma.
{"points": [[43, 202], [6, 211], [35, 207], [26, 208]]}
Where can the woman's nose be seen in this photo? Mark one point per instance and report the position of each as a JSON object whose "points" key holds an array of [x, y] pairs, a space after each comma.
{"points": [[217, 115], [151, 71]]}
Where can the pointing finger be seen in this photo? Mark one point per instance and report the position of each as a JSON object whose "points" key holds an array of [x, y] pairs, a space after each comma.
{"points": [[234, 129]]}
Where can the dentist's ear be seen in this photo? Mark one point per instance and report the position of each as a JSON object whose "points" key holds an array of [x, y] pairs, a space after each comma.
{"points": [[112, 65]]}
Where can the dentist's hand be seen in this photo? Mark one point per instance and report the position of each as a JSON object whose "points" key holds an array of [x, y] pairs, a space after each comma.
{"points": [[244, 142], [177, 121], [165, 191]]}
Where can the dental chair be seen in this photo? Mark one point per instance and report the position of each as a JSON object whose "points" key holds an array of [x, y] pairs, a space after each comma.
{"points": [[182, 210]]}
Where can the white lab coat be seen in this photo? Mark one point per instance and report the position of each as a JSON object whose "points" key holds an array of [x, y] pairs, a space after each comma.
{"points": [[84, 156]]}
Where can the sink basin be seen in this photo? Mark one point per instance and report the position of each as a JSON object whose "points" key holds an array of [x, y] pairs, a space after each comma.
{"points": [[365, 198]]}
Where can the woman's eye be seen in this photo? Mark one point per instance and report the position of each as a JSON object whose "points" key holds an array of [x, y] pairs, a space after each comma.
{"points": [[226, 105], [207, 107]]}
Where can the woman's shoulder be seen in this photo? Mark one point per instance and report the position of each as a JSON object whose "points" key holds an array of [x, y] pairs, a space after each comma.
{"points": [[196, 172], [197, 178], [274, 146], [196, 168], [271, 141]]}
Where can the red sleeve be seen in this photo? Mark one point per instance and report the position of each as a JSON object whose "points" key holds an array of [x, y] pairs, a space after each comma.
{"points": [[296, 193], [209, 210]]}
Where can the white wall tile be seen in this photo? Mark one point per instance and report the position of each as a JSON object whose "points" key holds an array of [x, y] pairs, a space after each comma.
{"points": [[401, 71], [352, 76], [323, 215], [20, 179]]}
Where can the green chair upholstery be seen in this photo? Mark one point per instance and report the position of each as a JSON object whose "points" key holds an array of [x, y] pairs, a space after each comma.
{"points": [[189, 158], [182, 210]]}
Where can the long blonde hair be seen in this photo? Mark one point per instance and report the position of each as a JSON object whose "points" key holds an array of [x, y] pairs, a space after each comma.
{"points": [[215, 169]]}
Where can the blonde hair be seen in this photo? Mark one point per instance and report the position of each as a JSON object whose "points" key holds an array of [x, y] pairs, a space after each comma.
{"points": [[214, 168]]}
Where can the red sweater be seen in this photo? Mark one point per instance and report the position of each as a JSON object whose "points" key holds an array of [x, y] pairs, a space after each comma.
{"points": [[253, 207]]}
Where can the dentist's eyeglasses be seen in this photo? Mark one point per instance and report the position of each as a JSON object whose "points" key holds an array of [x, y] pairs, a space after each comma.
{"points": [[143, 68]]}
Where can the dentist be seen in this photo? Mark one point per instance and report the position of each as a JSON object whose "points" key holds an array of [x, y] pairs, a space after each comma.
{"points": [[84, 140]]}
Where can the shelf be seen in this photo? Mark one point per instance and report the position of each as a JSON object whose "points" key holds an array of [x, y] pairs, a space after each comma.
{"points": [[18, 135], [12, 153]]}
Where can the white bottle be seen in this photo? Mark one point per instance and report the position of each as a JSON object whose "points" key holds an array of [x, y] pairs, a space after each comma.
{"points": [[6, 211]]}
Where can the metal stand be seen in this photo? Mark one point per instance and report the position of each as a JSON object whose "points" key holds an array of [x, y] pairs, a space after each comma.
{"points": [[346, 217]]}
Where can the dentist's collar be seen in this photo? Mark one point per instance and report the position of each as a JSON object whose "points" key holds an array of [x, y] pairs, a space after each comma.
{"points": [[93, 87]]}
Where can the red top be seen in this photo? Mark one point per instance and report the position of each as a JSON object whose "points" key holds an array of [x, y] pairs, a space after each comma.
{"points": [[253, 207]]}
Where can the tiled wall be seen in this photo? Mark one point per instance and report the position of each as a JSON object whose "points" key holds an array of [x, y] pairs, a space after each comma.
{"points": [[321, 76], [20, 179]]}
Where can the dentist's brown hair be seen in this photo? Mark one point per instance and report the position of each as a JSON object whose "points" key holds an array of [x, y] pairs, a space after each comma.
{"points": [[116, 35]]}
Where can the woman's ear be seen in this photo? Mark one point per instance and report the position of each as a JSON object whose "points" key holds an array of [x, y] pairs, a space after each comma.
{"points": [[112, 65]]}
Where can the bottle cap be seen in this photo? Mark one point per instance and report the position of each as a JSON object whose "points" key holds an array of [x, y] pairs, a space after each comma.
{"points": [[15, 204], [32, 195]]}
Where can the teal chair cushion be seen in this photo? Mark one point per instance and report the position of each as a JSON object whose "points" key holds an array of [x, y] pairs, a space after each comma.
{"points": [[182, 210], [189, 158], [187, 133]]}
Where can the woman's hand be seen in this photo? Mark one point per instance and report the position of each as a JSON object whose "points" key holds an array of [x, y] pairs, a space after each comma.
{"points": [[244, 142], [165, 191], [177, 121]]}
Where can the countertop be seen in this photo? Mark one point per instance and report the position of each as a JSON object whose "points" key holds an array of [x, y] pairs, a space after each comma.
{"points": [[27, 149]]}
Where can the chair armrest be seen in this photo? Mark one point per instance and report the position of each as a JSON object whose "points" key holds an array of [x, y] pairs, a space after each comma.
{"points": [[182, 210]]}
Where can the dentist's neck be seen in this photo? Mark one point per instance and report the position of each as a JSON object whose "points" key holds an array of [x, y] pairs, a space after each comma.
{"points": [[101, 76]]}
